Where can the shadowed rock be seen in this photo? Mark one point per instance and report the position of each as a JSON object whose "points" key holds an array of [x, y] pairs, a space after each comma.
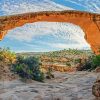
{"points": [[96, 88]]}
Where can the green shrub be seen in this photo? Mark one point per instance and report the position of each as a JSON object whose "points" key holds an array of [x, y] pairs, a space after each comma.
{"points": [[91, 63], [77, 61], [68, 64], [96, 61], [49, 74], [86, 65], [29, 68]]}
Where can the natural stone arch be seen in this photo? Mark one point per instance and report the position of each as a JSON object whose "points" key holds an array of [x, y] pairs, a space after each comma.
{"points": [[89, 22]]}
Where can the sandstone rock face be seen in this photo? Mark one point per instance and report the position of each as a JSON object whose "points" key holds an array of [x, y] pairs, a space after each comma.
{"points": [[97, 70], [89, 22], [96, 88], [5, 72]]}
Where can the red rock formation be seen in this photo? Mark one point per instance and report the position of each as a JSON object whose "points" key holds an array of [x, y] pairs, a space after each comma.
{"points": [[89, 22]]}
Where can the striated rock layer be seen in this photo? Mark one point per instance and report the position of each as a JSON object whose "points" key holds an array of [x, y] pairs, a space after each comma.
{"points": [[89, 22]]}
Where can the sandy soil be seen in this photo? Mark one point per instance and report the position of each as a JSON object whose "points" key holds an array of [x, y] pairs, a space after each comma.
{"points": [[65, 86]]}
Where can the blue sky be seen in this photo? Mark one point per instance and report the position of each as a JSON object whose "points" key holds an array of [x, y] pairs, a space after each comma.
{"points": [[45, 36]]}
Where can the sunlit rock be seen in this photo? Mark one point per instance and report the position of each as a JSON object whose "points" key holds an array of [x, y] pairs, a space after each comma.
{"points": [[89, 22]]}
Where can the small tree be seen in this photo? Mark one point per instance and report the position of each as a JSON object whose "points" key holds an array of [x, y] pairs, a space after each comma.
{"points": [[28, 68]]}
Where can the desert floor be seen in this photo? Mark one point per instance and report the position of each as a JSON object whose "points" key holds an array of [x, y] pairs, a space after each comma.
{"points": [[65, 86]]}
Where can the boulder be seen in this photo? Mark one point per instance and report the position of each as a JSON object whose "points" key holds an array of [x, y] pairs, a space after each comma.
{"points": [[96, 88], [97, 70]]}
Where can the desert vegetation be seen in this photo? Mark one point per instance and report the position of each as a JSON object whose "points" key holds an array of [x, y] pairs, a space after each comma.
{"points": [[25, 67], [28, 68], [7, 58], [41, 65], [68, 60], [19, 70]]}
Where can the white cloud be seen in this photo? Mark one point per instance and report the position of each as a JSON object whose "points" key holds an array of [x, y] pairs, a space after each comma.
{"points": [[89, 5], [64, 46], [64, 31], [9, 7]]}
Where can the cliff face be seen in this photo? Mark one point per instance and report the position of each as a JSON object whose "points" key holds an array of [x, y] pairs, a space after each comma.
{"points": [[89, 22]]}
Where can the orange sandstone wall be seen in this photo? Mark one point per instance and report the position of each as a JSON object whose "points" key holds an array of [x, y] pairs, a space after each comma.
{"points": [[89, 22]]}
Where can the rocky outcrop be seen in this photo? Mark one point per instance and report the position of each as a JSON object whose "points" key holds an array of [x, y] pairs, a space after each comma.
{"points": [[96, 88], [97, 70], [89, 22], [5, 72]]}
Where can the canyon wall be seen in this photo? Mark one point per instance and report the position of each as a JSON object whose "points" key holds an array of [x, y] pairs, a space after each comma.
{"points": [[89, 22]]}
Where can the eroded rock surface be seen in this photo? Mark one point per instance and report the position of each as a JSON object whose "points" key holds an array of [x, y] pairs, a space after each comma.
{"points": [[65, 86], [5, 72], [96, 88]]}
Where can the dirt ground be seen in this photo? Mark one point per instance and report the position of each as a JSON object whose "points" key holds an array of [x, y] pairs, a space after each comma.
{"points": [[65, 86]]}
